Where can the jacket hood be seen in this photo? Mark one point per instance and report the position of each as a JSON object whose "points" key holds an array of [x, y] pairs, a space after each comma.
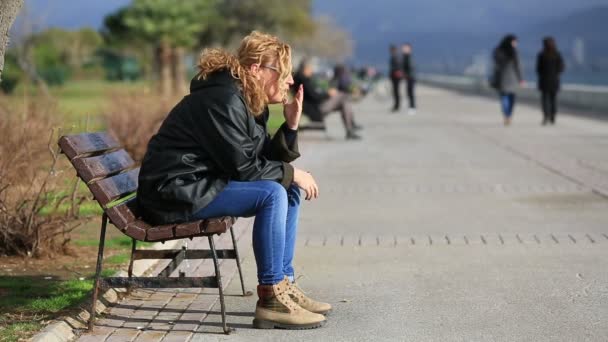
{"points": [[219, 78]]}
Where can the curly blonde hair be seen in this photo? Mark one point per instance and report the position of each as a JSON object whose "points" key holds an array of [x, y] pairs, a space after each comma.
{"points": [[257, 47]]}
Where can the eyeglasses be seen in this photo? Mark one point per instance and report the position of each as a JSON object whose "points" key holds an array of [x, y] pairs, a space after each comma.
{"points": [[271, 68]]}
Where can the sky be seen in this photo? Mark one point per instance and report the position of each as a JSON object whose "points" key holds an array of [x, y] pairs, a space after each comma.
{"points": [[71, 14], [421, 15], [449, 15]]}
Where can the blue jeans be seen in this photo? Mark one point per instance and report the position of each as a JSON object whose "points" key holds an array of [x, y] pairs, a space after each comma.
{"points": [[276, 221], [507, 102]]}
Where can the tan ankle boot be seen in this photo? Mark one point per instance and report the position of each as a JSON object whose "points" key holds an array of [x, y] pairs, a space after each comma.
{"points": [[298, 296], [276, 309]]}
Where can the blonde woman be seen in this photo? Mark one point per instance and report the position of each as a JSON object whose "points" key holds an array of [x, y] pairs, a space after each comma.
{"points": [[213, 157]]}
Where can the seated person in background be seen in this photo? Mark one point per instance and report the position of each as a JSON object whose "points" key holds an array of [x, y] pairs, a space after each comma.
{"points": [[317, 104]]}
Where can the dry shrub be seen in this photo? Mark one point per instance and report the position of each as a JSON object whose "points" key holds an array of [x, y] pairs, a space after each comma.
{"points": [[33, 185], [133, 118]]}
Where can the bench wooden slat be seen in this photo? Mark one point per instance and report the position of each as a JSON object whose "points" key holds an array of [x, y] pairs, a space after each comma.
{"points": [[87, 143], [137, 230], [189, 229], [219, 225], [108, 164], [160, 233], [121, 215], [115, 187]]}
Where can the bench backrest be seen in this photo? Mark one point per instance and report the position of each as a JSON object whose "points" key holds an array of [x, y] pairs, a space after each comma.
{"points": [[111, 175], [108, 171]]}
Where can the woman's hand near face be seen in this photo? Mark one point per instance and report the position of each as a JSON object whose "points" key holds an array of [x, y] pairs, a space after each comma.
{"points": [[306, 182], [292, 111]]}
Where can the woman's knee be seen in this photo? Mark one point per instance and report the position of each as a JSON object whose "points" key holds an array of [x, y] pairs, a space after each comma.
{"points": [[275, 193]]}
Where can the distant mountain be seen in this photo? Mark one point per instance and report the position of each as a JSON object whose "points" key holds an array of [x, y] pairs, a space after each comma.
{"points": [[438, 16], [450, 41], [592, 23], [588, 27]]}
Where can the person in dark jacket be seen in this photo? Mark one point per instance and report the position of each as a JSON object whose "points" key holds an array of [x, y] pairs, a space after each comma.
{"points": [[507, 75], [317, 103], [549, 66], [342, 79], [395, 72], [409, 73], [212, 156]]}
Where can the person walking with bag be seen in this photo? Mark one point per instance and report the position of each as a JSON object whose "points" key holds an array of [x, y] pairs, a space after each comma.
{"points": [[549, 66], [507, 75]]}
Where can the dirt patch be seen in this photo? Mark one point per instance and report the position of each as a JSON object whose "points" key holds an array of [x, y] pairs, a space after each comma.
{"points": [[79, 262]]}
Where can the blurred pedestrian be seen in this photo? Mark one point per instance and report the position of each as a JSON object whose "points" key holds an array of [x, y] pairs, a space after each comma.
{"points": [[395, 74], [318, 103], [549, 66], [409, 74], [507, 75]]}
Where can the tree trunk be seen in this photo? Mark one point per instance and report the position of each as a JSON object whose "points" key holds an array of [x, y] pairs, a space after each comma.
{"points": [[164, 58], [179, 72], [8, 13]]}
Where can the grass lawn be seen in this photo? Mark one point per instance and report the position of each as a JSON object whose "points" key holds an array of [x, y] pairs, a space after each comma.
{"points": [[80, 103], [34, 291], [28, 302], [82, 100], [276, 118], [18, 331]]}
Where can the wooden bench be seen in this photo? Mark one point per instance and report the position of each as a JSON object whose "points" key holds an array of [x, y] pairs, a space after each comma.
{"points": [[111, 175]]}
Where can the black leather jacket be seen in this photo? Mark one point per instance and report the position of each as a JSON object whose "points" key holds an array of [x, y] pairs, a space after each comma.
{"points": [[207, 139]]}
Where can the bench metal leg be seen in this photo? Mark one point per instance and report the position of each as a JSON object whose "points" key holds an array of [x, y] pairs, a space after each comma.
{"points": [[238, 264], [133, 249], [218, 276], [130, 270], [102, 238]]}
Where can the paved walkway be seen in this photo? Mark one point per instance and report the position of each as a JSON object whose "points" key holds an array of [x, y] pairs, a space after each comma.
{"points": [[444, 226]]}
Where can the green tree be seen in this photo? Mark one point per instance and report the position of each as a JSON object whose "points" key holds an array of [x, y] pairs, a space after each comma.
{"points": [[328, 41], [120, 41], [170, 27], [84, 44], [12, 74], [237, 18], [57, 53]]}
